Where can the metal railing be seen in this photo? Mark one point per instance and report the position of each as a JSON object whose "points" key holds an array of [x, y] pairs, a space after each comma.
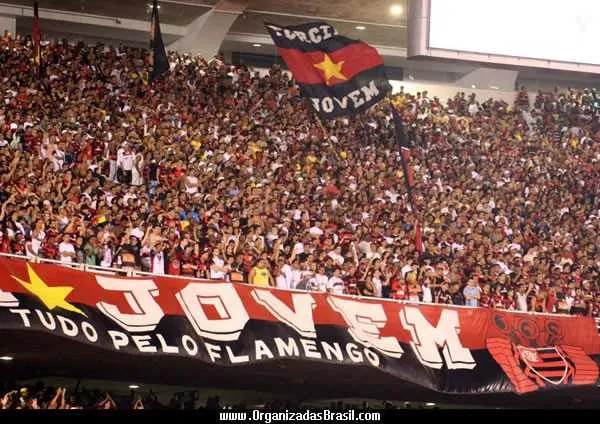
{"points": [[134, 273]]}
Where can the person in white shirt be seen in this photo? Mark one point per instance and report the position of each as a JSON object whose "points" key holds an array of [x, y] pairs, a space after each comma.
{"points": [[137, 170], [316, 230], [125, 163], [107, 256], [377, 283], [335, 285], [158, 259], [337, 256], [137, 233], [58, 159], [286, 271], [297, 274], [306, 273], [503, 267], [521, 297], [473, 108], [66, 250], [280, 280], [298, 248], [426, 291], [271, 236], [29, 250], [292, 273], [218, 268], [191, 184], [319, 281], [37, 237]]}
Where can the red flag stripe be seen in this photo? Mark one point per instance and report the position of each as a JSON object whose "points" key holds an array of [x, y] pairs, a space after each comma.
{"points": [[411, 177], [357, 58], [548, 355], [405, 152], [418, 239], [547, 374], [552, 364]]}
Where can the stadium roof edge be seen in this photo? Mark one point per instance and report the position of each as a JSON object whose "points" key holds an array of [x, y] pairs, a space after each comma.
{"points": [[84, 18], [265, 39]]}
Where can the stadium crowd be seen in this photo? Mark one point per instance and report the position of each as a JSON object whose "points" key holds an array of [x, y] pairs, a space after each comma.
{"points": [[214, 172], [42, 396]]}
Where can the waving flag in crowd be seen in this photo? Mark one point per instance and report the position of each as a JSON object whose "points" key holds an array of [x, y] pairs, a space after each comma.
{"points": [[404, 145], [160, 61], [37, 47], [339, 76]]}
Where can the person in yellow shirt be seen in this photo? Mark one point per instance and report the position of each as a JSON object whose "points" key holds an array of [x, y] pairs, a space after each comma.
{"points": [[260, 275]]}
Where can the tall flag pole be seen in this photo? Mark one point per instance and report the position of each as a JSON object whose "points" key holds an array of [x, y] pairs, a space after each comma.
{"points": [[403, 144], [37, 38], [159, 61], [337, 75]]}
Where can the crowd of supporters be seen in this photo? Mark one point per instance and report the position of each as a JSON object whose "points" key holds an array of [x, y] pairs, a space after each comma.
{"points": [[214, 172], [41, 396]]}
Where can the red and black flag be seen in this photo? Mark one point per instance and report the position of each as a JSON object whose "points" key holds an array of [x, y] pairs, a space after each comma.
{"points": [[404, 145], [419, 238], [159, 61], [339, 76], [37, 39]]}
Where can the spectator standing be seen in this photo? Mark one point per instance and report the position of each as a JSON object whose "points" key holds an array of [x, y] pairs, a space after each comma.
{"points": [[260, 275], [137, 171], [218, 269], [66, 250], [125, 165], [472, 293], [522, 295]]}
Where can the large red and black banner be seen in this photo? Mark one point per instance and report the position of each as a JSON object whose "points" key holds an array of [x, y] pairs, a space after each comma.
{"points": [[442, 348], [339, 76]]}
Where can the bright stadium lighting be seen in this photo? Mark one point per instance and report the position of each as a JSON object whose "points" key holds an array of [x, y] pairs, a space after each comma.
{"points": [[396, 10], [360, 27], [134, 386], [256, 45], [430, 404], [6, 358]]}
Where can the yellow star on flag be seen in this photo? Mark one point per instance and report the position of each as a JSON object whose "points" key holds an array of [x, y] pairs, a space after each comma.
{"points": [[331, 69], [52, 297]]}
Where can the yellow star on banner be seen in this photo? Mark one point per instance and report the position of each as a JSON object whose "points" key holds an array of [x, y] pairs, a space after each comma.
{"points": [[52, 297], [331, 69]]}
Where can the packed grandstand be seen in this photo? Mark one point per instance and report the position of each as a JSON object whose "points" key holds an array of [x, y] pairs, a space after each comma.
{"points": [[40, 396], [215, 172]]}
